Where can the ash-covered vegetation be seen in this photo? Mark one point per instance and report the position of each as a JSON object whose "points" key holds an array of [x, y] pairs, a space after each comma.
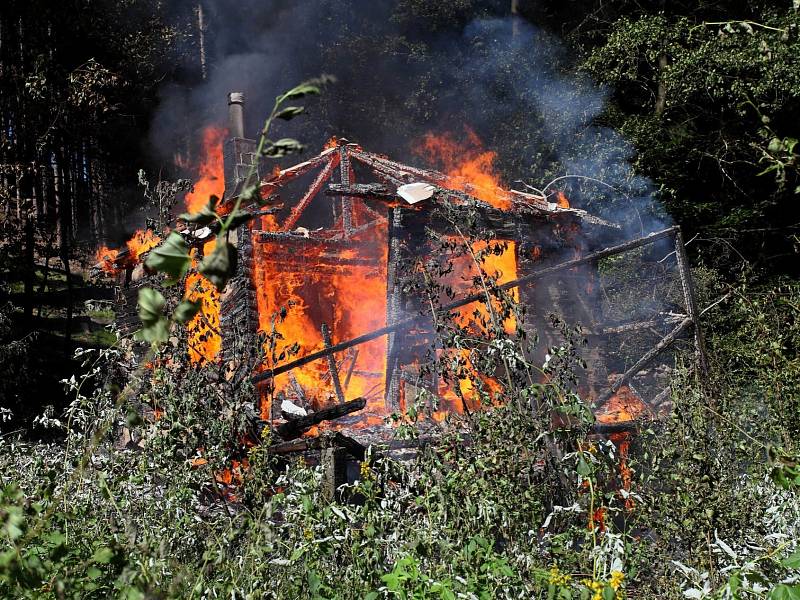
{"points": [[127, 470]]}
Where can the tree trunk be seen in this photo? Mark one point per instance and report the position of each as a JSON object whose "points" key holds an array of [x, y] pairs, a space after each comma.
{"points": [[30, 266], [64, 212]]}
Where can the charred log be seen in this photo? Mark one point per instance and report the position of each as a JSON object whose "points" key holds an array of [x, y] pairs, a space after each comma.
{"points": [[294, 429]]}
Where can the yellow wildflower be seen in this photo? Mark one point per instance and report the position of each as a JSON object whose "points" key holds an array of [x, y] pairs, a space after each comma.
{"points": [[617, 577], [558, 578], [366, 473], [596, 587]]}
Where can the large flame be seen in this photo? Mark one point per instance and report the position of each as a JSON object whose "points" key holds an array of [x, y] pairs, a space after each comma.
{"points": [[468, 165], [204, 336], [297, 295], [485, 263], [106, 258], [142, 241], [211, 177]]}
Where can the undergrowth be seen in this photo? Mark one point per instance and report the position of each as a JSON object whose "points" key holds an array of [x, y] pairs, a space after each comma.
{"points": [[135, 502]]}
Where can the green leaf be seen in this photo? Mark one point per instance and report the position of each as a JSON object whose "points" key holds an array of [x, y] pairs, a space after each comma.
{"points": [[307, 88], [785, 592], [219, 266], [298, 552], [186, 310], [240, 217], [314, 582], [734, 583], [171, 257], [290, 112], [608, 593], [793, 561], [206, 215], [155, 326], [103, 555], [151, 305], [775, 145], [133, 418], [283, 147], [93, 573]]}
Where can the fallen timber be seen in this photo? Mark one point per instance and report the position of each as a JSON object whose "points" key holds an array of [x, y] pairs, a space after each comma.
{"points": [[357, 450], [665, 342], [406, 323], [295, 428]]}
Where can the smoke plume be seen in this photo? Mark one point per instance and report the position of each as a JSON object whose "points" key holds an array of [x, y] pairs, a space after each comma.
{"points": [[402, 75]]}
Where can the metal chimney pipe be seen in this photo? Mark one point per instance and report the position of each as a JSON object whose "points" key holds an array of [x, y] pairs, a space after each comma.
{"points": [[236, 114]]}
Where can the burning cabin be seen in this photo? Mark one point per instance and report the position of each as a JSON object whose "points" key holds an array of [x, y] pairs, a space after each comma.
{"points": [[323, 309], [350, 274]]}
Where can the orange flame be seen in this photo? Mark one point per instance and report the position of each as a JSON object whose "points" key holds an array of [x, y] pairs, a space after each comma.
{"points": [[106, 256], [204, 337], [142, 241], [211, 170], [479, 316], [623, 406], [561, 200], [469, 167], [623, 443], [297, 295]]}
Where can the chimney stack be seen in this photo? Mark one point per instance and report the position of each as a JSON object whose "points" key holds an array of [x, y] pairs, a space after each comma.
{"points": [[236, 114]]}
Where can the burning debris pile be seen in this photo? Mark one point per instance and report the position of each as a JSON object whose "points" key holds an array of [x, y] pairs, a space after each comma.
{"points": [[323, 312]]}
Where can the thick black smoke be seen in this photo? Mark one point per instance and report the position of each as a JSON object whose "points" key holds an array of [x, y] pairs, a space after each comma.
{"points": [[401, 76]]}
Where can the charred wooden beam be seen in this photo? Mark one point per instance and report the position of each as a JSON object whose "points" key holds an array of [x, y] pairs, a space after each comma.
{"points": [[388, 173], [397, 168], [299, 445], [665, 342], [659, 398], [392, 383], [311, 192], [294, 429], [618, 427], [379, 220], [357, 450], [286, 175], [294, 238], [636, 325], [334, 370], [326, 263], [406, 323], [370, 190], [351, 368], [347, 176], [691, 304]]}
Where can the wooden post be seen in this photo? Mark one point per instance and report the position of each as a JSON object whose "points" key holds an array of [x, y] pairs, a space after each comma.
{"points": [[337, 385], [691, 304], [392, 381]]}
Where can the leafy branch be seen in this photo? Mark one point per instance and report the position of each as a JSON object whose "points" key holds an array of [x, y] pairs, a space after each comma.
{"points": [[173, 256]]}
